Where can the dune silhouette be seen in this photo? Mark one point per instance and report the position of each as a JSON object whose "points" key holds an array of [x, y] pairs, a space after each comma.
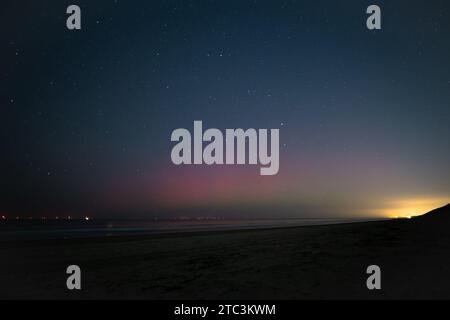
{"points": [[442, 213]]}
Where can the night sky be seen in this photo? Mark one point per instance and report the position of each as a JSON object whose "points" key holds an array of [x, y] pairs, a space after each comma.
{"points": [[86, 116]]}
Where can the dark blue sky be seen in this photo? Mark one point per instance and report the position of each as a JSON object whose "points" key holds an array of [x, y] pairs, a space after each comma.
{"points": [[86, 116]]}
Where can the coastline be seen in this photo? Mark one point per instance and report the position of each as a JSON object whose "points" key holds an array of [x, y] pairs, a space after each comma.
{"points": [[57, 229], [309, 262]]}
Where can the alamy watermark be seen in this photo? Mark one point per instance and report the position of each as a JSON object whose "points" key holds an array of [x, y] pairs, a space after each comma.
{"points": [[229, 148]]}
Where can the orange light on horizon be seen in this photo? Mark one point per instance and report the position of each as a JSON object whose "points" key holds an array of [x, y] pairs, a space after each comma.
{"points": [[409, 208]]}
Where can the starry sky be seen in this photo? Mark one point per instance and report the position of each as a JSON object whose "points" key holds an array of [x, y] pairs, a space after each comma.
{"points": [[86, 116]]}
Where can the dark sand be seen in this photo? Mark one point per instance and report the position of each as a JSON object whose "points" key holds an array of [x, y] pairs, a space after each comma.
{"points": [[292, 263]]}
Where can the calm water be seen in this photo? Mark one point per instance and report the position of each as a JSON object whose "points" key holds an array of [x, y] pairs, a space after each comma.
{"points": [[57, 229]]}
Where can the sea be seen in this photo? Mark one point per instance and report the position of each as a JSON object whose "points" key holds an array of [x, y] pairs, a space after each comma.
{"points": [[65, 229]]}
